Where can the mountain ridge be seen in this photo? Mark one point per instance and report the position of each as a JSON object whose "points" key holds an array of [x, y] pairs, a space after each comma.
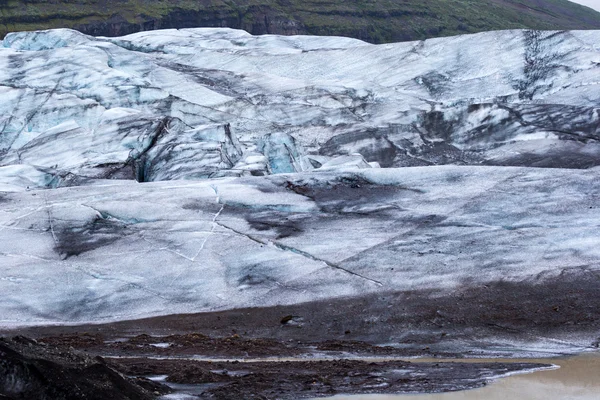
{"points": [[372, 21]]}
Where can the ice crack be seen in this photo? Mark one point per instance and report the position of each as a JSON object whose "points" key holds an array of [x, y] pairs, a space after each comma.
{"points": [[49, 214], [300, 253]]}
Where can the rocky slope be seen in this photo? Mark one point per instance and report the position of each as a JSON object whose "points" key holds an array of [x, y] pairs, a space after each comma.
{"points": [[29, 370], [373, 21]]}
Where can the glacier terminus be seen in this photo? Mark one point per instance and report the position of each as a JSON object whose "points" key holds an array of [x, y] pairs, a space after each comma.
{"points": [[439, 195]]}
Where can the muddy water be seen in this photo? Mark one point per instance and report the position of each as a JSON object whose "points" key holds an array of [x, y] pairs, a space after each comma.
{"points": [[578, 378]]}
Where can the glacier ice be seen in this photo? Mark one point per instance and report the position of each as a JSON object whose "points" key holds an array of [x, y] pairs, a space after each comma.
{"points": [[206, 169], [522, 98], [122, 250]]}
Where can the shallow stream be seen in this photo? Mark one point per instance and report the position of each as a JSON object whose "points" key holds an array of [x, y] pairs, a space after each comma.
{"points": [[578, 378]]}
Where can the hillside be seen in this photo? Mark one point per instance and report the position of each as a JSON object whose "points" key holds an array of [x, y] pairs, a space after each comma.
{"points": [[373, 21]]}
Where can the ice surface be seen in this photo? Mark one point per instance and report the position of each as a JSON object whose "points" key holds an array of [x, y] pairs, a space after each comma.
{"points": [[79, 104], [21, 177], [110, 252]]}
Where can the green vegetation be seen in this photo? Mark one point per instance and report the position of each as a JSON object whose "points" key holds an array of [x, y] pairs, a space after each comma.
{"points": [[372, 20]]}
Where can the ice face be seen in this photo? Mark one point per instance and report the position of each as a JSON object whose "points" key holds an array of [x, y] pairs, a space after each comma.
{"points": [[501, 98], [45, 40], [16, 178]]}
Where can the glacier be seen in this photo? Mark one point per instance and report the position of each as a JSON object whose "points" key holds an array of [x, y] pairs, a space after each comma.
{"points": [[196, 170], [125, 250], [115, 107]]}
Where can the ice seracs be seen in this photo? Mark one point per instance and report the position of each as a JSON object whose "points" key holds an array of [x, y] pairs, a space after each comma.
{"points": [[499, 98]]}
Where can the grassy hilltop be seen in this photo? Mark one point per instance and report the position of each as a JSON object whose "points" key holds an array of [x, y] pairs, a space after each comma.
{"points": [[375, 21]]}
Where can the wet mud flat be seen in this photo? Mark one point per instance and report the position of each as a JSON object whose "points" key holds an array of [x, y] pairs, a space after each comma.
{"points": [[40, 370], [306, 379], [576, 379]]}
